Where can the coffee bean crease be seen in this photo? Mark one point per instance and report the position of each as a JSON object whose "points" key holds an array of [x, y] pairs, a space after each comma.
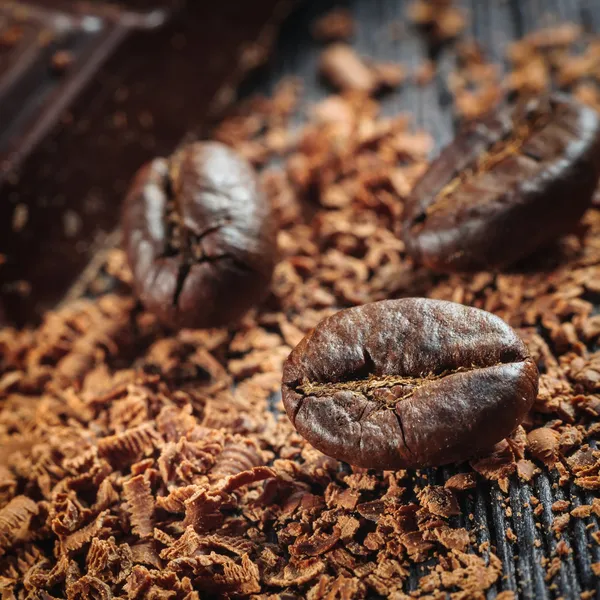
{"points": [[509, 145], [368, 387]]}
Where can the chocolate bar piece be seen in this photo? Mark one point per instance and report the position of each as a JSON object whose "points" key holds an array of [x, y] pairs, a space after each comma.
{"points": [[86, 96]]}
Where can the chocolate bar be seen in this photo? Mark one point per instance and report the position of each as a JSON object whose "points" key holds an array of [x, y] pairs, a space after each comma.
{"points": [[88, 92]]}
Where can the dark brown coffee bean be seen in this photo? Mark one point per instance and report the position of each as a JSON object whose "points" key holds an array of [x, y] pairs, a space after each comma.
{"points": [[408, 383], [199, 236], [505, 187]]}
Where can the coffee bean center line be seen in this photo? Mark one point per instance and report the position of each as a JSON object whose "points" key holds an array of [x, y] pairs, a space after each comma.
{"points": [[499, 151], [180, 240], [368, 387]]}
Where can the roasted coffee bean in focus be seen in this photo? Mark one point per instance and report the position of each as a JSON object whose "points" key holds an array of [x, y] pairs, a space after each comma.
{"points": [[506, 186], [200, 237], [408, 383]]}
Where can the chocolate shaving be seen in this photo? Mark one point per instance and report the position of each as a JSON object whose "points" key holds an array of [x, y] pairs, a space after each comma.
{"points": [[238, 454], [140, 504], [106, 560], [202, 510], [145, 553], [89, 588], [15, 518], [125, 448], [217, 572], [233, 482], [543, 444], [175, 501], [77, 540], [8, 486], [296, 573]]}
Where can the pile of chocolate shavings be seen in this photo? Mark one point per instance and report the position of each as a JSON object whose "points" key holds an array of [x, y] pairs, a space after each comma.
{"points": [[136, 462], [559, 57]]}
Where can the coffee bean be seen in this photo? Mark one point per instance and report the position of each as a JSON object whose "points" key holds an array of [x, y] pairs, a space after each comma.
{"points": [[408, 383], [199, 236], [505, 187]]}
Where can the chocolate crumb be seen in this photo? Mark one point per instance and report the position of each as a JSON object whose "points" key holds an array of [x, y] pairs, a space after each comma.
{"points": [[61, 61], [461, 482], [439, 501], [336, 25], [439, 18], [560, 522], [345, 70], [561, 506]]}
